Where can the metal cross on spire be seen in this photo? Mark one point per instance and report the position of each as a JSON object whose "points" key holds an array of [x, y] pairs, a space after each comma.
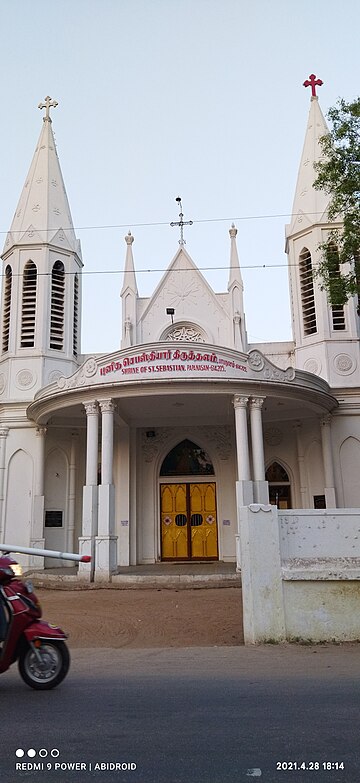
{"points": [[312, 82], [48, 102], [181, 222]]}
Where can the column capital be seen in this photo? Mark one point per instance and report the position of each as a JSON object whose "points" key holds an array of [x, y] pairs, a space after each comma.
{"points": [[257, 402], [239, 401], [41, 432], [91, 408], [4, 431], [107, 406]]}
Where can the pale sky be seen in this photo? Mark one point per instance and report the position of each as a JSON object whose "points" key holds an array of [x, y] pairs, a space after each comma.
{"points": [[161, 98]]}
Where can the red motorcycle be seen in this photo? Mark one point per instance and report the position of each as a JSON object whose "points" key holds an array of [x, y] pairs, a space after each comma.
{"points": [[40, 649]]}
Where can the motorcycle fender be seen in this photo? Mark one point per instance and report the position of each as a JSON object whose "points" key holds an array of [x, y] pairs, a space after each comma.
{"points": [[43, 630]]}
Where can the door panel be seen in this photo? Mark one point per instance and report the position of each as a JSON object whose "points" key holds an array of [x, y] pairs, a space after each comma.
{"points": [[188, 521], [203, 521], [174, 522]]}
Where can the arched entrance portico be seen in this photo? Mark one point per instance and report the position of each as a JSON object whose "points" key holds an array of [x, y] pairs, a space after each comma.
{"points": [[188, 517]]}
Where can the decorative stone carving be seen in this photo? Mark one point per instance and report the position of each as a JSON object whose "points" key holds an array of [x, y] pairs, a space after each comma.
{"points": [[275, 374], [54, 376], [313, 366], [257, 402], [2, 382], [239, 401], [344, 364], [273, 436], [151, 446], [90, 367], [220, 437], [107, 406], [25, 379], [256, 361], [185, 333], [91, 408]]}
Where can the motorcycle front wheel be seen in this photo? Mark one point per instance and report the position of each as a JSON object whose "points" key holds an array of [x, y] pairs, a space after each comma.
{"points": [[46, 666]]}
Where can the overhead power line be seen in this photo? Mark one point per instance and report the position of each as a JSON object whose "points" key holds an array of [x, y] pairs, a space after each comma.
{"points": [[166, 222]]}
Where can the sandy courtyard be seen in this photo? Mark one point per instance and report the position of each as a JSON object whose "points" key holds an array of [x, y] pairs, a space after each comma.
{"points": [[147, 617]]}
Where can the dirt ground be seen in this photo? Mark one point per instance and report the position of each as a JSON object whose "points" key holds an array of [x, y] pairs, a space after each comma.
{"points": [[146, 618]]}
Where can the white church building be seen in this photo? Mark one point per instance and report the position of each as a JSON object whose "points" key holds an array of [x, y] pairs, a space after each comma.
{"points": [[144, 454]]}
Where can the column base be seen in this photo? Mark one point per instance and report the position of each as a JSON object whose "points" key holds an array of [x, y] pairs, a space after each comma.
{"points": [[34, 560], [105, 557], [87, 547], [244, 493]]}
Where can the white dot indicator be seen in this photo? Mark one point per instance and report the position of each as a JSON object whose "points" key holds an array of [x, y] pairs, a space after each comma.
{"points": [[55, 752], [19, 753], [31, 753], [43, 752]]}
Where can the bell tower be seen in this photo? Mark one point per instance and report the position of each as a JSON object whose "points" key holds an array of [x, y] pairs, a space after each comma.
{"points": [[326, 337], [41, 297]]}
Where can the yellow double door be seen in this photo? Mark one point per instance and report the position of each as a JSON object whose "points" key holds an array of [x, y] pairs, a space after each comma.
{"points": [[188, 521]]}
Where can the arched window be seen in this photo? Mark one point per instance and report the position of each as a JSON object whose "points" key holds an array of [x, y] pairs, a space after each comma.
{"points": [[279, 486], [57, 306], [76, 315], [307, 292], [7, 308], [28, 312], [187, 459]]}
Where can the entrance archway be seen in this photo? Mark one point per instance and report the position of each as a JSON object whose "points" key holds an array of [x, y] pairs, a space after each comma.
{"points": [[188, 505]]}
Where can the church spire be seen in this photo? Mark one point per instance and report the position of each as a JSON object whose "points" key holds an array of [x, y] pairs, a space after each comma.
{"points": [[43, 213], [129, 283], [310, 205], [236, 290], [129, 295], [234, 272]]}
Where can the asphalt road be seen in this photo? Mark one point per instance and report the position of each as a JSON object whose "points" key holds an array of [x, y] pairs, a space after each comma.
{"points": [[193, 715]]}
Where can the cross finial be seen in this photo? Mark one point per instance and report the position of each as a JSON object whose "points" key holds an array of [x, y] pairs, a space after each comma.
{"points": [[181, 222], [48, 102], [312, 81]]}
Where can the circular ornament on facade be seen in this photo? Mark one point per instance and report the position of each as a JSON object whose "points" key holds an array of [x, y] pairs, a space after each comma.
{"points": [[256, 360], [344, 364], [90, 368], [313, 366], [25, 379], [61, 382], [2, 382], [273, 436]]}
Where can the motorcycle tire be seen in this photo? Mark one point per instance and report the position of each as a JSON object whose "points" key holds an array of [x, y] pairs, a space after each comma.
{"points": [[48, 673]]}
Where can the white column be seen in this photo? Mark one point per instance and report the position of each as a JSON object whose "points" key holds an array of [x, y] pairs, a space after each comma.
{"points": [[261, 487], [92, 439], [244, 485], [38, 531], [90, 491], [304, 499], [257, 440], [106, 541], [70, 538], [242, 442], [4, 431], [329, 490], [107, 441]]}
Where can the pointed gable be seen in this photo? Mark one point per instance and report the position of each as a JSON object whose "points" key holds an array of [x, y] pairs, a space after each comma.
{"points": [[184, 289]]}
